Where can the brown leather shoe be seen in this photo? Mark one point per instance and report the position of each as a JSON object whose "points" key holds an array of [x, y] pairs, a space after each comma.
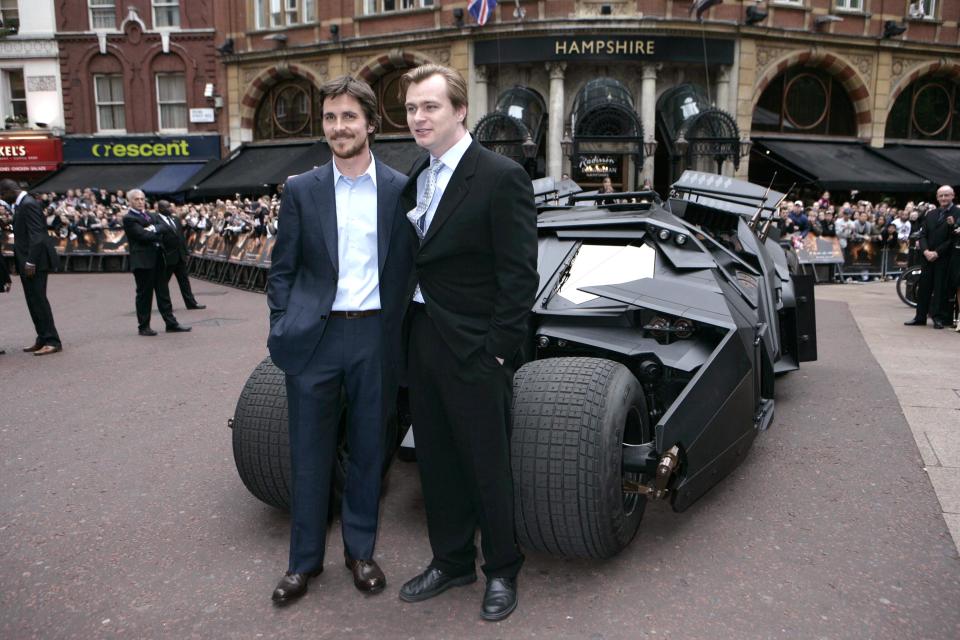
{"points": [[32, 348], [367, 575], [47, 349], [292, 586]]}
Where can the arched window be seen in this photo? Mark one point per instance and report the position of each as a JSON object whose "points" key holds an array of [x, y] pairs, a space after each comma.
{"points": [[290, 109], [926, 110], [804, 100], [393, 116]]}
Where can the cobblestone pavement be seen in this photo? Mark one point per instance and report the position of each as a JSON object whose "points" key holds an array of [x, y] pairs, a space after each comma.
{"points": [[122, 515]]}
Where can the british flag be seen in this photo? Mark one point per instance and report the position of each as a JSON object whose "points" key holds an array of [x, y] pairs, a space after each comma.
{"points": [[481, 10]]}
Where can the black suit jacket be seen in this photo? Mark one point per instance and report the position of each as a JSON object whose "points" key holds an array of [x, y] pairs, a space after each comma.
{"points": [[303, 279], [936, 234], [170, 240], [30, 240], [144, 244], [477, 265]]}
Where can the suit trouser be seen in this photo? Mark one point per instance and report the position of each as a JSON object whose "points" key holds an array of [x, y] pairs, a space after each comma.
{"points": [[932, 290], [183, 281], [35, 292], [461, 418], [150, 281], [348, 357]]}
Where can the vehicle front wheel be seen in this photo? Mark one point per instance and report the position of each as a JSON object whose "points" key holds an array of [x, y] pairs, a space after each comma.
{"points": [[571, 419]]}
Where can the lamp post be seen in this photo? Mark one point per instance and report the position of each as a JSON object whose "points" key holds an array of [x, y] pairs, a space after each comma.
{"points": [[529, 150]]}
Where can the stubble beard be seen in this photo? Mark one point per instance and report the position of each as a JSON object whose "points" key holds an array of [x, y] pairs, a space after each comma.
{"points": [[352, 151]]}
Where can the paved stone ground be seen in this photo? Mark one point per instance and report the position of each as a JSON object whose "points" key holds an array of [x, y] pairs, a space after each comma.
{"points": [[121, 513], [923, 366]]}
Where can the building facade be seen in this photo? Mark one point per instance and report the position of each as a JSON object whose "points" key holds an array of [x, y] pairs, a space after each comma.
{"points": [[31, 104], [140, 88], [634, 89]]}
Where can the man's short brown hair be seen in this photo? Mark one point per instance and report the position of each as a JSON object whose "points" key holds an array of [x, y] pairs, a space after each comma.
{"points": [[456, 85], [348, 85]]}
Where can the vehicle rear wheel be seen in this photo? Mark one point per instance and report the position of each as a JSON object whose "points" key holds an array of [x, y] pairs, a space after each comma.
{"points": [[907, 286], [261, 441], [571, 420]]}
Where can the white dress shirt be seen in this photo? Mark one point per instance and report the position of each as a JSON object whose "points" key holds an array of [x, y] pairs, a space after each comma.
{"points": [[358, 286], [450, 160]]}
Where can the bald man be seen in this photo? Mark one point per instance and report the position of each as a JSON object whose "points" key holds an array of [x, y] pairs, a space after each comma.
{"points": [[936, 246]]}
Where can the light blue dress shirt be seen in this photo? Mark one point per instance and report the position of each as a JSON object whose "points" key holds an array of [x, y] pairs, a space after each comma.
{"points": [[358, 286]]}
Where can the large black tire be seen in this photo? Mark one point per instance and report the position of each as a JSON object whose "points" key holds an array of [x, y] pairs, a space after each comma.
{"points": [[907, 285], [571, 418], [261, 441]]}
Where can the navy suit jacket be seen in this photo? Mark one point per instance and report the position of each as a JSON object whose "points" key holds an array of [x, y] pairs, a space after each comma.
{"points": [[302, 283]]}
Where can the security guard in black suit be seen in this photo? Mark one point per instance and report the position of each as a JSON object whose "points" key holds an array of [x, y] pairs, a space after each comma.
{"points": [[35, 256], [178, 263], [145, 236], [936, 240]]}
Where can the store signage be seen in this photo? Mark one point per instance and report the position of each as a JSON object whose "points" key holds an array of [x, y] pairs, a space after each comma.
{"points": [[202, 115], [24, 155], [608, 47], [597, 166], [141, 149]]}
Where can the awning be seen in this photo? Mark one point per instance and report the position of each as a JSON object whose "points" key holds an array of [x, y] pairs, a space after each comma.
{"points": [[398, 154], [256, 168], [843, 165], [99, 176], [171, 178], [940, 165]]}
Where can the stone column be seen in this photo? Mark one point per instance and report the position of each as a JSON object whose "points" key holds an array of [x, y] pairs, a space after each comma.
{"points": [[723, 88], [648, 112], [555, 123], [480, 97]]}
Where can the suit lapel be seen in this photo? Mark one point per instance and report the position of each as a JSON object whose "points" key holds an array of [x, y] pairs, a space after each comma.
{"points": [[387, 194], [456, 190], [325, 203]]}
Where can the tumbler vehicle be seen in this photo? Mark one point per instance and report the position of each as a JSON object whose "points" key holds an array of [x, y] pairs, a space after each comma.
{"points": [[656, 335]]}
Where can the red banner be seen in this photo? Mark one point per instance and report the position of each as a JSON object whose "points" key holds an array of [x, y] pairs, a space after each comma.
{"points": [[21, 155]]}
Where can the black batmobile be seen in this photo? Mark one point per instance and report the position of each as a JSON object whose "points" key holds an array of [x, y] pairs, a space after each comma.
{"points": [[655, 339]]}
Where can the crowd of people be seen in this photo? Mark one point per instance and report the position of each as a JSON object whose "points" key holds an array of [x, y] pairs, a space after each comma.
{"points": [[72, 214]]}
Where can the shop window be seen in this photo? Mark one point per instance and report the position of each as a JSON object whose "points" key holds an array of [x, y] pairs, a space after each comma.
{"points": [[371, 7], [16, 96], [172, 101], [290, 109], [103, 14], [393, 114], [166, 13], [925, 111], [108, 94], [805, 101]]}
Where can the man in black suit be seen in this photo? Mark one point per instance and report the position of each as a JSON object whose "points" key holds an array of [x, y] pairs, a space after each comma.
{"points": [[35, 256], [145, 235], [5, 281], [337, 291], [474, 214], [177, 260], [936, 240]]}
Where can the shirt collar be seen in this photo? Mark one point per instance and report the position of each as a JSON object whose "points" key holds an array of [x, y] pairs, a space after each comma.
{"points": [[20, 197], [453, 155], [371, 171]]}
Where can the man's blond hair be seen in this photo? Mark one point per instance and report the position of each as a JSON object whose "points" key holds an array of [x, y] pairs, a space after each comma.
{"points": [[456, 85]]}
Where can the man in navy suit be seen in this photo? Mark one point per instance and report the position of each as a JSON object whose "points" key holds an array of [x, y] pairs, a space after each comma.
{"points": [[336, 293]]}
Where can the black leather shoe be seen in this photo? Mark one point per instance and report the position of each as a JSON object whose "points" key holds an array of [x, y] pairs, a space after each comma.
{"points": [[178, 328], [500, 598], [367, 575], [432, 582], [292, 586], [32, 348], [197, 306], [915, 323], [147, 332], [937, 324]]}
